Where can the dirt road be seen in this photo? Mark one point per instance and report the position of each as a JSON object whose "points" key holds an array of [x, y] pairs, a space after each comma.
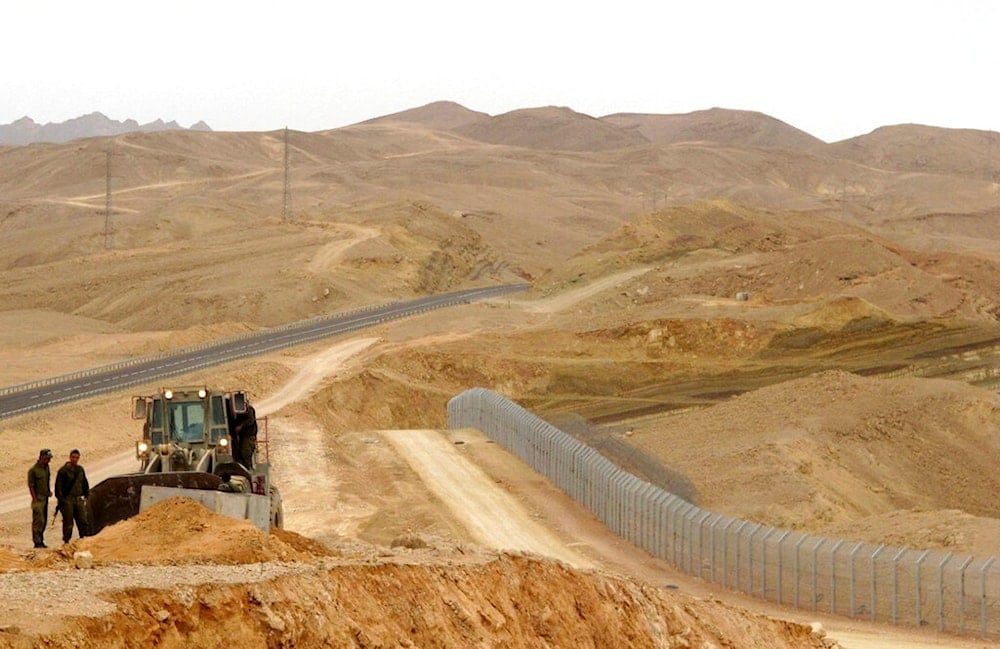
{"points": [[492, 516]]}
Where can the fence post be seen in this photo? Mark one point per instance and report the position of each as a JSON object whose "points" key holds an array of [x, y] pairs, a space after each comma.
{"points": [[833, 575], [689, 525], [750, 558], [781, 539], [946, 559], [715, 524], [701, 542], [895, 585], [738, 530], [851, 581], [725, 556], [798, 544], [763, 562], [662, 524], [874, 601], [961, 595], [982, 600], [679, 542], [815, 563], [917, 605]]}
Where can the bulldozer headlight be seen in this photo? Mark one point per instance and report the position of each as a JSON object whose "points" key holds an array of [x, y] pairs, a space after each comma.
{"points": [[143, 447], [202, 393], [223, 442], [168, 394]]}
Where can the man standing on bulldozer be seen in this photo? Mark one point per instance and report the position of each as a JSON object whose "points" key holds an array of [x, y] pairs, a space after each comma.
{"points": [[245, 436], [72, 490]]}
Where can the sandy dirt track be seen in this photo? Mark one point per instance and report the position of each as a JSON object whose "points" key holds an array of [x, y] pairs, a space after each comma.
{"points": [[492, 517]]}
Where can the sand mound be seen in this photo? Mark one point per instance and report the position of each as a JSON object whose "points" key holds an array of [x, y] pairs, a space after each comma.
{"points": [[11, 559], [842, 312], [181, 531]]}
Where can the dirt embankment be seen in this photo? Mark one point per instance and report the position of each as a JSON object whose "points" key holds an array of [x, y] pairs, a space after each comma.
{"points": [[178, 575]]}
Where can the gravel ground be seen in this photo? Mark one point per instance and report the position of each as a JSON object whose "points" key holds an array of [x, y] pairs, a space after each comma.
{"points": [[32, 594]]}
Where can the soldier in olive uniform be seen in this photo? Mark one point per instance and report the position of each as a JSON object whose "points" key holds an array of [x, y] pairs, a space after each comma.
{"points": [[72, 490], [39, 486], [245, 437]]}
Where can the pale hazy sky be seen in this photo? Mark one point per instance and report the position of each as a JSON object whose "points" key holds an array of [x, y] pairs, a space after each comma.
{"points": [[835, 69]]}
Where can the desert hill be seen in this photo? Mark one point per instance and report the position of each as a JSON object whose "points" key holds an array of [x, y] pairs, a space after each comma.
{"points": [[925, 149], [553, 129], [867, 348], [716, 250], [438, 116], [718, 125], [915, 445]]}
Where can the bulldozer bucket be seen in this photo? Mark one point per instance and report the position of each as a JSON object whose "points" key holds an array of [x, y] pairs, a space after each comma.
{"points": [[117, 498]]}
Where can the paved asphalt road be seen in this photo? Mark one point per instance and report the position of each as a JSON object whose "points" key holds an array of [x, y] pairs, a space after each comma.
{"points": [[49, 392]]}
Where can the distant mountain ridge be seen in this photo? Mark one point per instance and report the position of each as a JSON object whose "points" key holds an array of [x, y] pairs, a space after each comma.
{"points": [[561, 128], [27, 131], [913, 148], [902, 147]]}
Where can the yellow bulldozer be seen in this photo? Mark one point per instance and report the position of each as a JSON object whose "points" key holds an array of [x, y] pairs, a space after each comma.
{"points": [[201, 443]]}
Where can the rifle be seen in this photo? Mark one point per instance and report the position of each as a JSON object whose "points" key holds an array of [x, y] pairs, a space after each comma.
{"points": [[55, 513]]}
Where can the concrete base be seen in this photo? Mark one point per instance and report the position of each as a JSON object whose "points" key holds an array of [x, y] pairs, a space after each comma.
{"points": [[243, 506]]}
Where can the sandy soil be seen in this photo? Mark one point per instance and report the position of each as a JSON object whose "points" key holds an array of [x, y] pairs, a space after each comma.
{"points": [[867, 353], [495, 500]]}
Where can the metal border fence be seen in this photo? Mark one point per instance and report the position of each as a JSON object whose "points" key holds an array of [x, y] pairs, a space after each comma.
{"points": [[947, 591]]}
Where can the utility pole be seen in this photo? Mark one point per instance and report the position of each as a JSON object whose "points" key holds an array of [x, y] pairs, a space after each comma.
{"points": [[286, 206], [108, 240]]}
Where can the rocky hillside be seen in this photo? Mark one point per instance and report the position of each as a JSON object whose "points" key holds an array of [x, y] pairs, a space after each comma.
{"points": [[27, 131]]}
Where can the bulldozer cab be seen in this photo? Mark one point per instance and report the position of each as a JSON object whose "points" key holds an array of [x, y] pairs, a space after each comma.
{"points": [[187, 428], [186, 416]]}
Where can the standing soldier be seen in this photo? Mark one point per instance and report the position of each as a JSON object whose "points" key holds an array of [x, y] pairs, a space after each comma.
{"points": [[245, 437], [72, 490], [39, 486]]}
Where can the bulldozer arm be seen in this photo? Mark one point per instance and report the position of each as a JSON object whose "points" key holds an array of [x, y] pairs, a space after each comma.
{"points": [[117, 498]]}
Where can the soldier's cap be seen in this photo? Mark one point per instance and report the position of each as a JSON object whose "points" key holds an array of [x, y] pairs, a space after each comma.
{"points": [[74, 452], [44, 453]]}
